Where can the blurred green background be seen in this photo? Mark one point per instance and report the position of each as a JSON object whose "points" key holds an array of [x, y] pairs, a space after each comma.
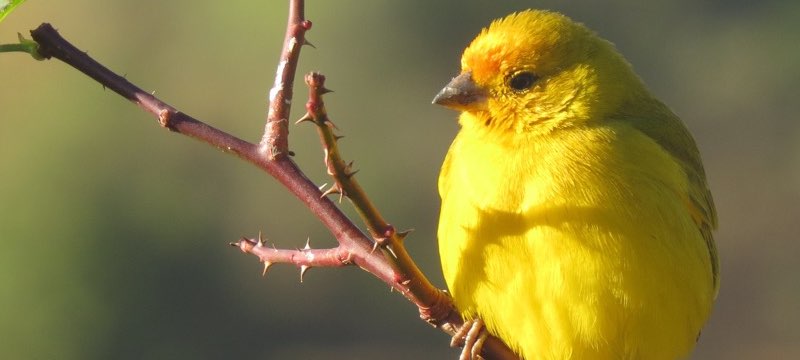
{"points": [[114, 232]]}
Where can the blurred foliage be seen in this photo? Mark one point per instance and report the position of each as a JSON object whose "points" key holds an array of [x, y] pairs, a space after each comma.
{"points": [[7, 6], [114, 231]]}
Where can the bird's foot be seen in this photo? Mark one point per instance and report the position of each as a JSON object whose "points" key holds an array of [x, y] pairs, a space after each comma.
{"points": [[471, 336]]}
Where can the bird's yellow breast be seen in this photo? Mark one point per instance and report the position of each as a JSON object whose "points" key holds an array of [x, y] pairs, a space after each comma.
{"points": [[574, 244]]}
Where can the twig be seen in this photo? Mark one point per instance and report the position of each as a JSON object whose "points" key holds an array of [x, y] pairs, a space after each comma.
{"points": [[275, 142], [386, 237], [393, 266], [281, 168], [304, 258]]}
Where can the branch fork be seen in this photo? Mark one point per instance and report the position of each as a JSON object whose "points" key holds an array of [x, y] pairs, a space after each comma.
{"points": [[392, 265]]}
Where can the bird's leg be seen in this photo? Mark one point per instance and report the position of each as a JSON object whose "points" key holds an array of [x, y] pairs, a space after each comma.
{"points": [[471, 336]]}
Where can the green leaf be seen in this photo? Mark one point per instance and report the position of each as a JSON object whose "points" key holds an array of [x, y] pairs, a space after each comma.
{"points": [[6, 6]]}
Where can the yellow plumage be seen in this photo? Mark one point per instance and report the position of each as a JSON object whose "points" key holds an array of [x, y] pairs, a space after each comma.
{"points": [[576, 220]]}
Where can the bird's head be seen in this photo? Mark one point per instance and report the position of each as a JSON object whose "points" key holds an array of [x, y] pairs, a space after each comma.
{"points": [[538, 70]]}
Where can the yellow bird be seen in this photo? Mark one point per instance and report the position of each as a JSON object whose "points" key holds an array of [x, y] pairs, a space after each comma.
{"points": [[576, 219]]}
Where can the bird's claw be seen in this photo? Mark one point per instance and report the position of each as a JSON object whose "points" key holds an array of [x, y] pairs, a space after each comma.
{"points": [[471, 337]]}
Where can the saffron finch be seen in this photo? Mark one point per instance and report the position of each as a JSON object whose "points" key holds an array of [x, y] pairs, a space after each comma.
{"points": [[576, 220]]}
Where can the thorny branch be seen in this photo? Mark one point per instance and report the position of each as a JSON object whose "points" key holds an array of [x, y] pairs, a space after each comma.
{"points": [[275, 142], [392, 264], [383, 233]]}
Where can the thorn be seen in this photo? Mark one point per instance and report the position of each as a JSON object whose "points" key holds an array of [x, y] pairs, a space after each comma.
{"points": [[322, 186], [323, 90], [260, 242], [338, 137], [267, 264], [402, 234], [348, 170], [305, 118], [291, 153], [308, 244], [331, 124], [334, 189], [308, 43], [303, 270], [374, 247], [391, 251], [351, 173]]}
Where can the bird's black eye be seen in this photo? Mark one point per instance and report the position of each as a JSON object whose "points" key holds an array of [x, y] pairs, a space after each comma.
{"points": [[522, 80]]}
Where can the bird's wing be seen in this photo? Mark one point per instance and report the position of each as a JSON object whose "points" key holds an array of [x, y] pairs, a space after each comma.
{"points": [[670, 132]]}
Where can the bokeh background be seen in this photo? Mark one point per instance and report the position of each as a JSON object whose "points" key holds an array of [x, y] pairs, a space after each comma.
{"points": [[114, 232]]}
